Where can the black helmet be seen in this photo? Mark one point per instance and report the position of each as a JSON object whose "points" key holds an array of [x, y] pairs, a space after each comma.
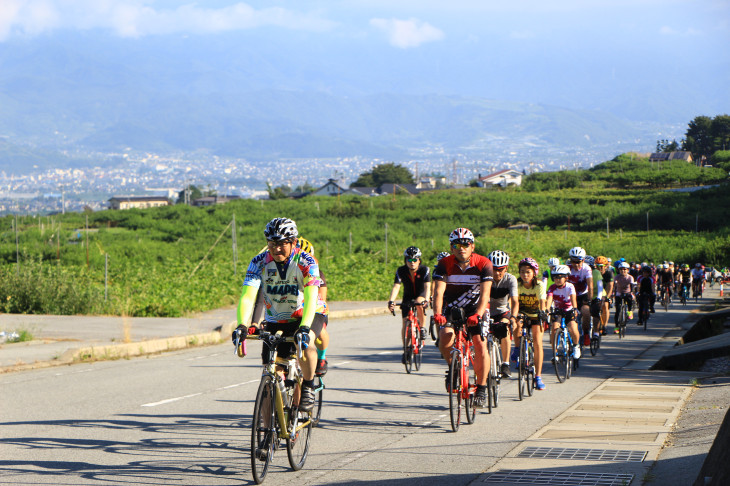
{"points": [[412, 252], [281, 229]]}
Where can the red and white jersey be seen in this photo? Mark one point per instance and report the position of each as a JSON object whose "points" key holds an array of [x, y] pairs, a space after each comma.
{"points": [[561, 296], [579, 278], [463, 287]]}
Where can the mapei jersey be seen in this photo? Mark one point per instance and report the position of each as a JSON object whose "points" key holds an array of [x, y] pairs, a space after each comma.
{"points": [[463, 286], [282, 284]]}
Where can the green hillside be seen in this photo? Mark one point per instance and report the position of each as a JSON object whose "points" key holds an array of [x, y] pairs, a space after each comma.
{"points": [[176, 260]]}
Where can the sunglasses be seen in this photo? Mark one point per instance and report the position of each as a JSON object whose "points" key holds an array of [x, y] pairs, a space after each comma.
{"points": [[412, 260], [560, 276], [499, 269], [599, 265], [460, 246], [274, 244], [576, 260]]}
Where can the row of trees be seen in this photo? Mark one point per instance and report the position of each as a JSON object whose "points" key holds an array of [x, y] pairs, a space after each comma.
{"points": [[703, 138]]}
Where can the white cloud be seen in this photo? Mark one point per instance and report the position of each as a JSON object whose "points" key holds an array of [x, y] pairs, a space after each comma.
{"points": [[407, 33], [135, 18]]}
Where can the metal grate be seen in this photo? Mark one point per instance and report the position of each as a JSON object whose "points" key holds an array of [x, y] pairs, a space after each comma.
{"points": [[536, 476], [583, 454]]}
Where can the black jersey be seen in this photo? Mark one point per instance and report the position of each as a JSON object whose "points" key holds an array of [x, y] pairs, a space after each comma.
{"points": [[413, 286]]}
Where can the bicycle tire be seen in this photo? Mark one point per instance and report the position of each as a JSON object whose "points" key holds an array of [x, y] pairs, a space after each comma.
{"points": [[560, 357], [297, 448], [318, 392], [455, 392], [418, 353], [469, 407], [595, 344], [522, 369], [260, 434], [494, 371], [530, 369], [408, 350], [570, 363]]}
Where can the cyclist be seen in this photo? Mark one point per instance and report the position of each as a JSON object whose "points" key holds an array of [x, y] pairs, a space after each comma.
{"points": [[416, 281], [562, 296], [684, 276], [596, 297], [289, 279], [532, 299], [504, 306], [666, 281], [547, 274], [698, 279], [581, 276], [645, 285], [323, 341], [623, 288], [604, 267], [464, 279]]}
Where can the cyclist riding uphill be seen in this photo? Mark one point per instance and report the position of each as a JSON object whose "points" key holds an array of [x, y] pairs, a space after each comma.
{"points": [[504, 306], [463, 280], [561, 295], [416, 280], [645, 285], [289, 280], [581, 276]]}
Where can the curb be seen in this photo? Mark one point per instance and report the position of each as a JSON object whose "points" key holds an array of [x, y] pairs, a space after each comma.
{"points": [[152, 346]]}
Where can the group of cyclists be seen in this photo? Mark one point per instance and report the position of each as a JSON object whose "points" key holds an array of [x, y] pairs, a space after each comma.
{"points": [[284, 286]]}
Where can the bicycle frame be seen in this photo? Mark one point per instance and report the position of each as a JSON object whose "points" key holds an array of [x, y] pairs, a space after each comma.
{"points": [[463, 346]]}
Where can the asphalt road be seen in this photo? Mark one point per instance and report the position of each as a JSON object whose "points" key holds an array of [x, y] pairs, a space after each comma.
{"points": [[183, 417]]}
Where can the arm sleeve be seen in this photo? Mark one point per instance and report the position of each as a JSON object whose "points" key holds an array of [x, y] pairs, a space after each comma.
{"points": [[310, 305], [246, 305]]}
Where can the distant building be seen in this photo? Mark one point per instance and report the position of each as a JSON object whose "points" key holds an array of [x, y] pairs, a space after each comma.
{"points": [[213, 200], [501, 178], [333, 188], [664, 156], [139, 202]]}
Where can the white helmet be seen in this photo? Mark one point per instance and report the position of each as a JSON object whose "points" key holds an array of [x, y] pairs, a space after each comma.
{"points": [[577, 252], [624, 265], [499, 258], [461, 234], [561, 270], [553, 262], [281, 229]]}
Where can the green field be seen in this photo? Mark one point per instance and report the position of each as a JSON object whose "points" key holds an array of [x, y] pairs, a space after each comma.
{"points": [[176, 260]]}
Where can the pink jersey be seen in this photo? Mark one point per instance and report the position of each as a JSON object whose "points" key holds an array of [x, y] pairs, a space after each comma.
{"points": [[623, 284], [580, 277], [561, 296]]}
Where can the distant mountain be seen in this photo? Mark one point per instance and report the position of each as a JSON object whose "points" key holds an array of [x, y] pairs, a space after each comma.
{"points": [[172, 94]]}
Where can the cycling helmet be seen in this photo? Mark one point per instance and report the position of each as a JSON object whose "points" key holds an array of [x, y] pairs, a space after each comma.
{"points": [[305, 245], [601, 260], [561, 270], [577, 252], [499, 258], [685, 266], [281, 229], [529, 262], [461, 234], [671, 263], [412, 252], [698, 265], [441, 255], [590, 261], [553, 262], [624, 265], [609, 260]]}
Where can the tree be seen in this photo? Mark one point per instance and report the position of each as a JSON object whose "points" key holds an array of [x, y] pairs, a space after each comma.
{"points": [[193, 193], [698, 138], [667, 146], [383, 174], [720, 132], [280, 192]]}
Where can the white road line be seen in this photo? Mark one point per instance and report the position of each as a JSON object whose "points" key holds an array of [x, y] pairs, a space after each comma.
{"points": [[385, 352], [343, 363], [237, 384], [426, 424], [169, 400]]}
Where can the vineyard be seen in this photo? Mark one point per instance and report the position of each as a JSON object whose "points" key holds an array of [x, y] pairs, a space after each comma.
{"points": [[177, 260]]}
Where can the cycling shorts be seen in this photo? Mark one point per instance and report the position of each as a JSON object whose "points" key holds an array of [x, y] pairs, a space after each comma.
{"points": [[499, 329], [596, 307], [285, 349], [504, 315], [583, 299], [568, 314]]}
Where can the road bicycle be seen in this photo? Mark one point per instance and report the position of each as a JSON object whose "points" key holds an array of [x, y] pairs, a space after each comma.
{"points": [[275, 415], [621, 315], [697, 289], [494, 378], [684, 296], [666, 297], [415, 337], [595, 342], [643, 309], [563, 348], [463, 385], [526, 359]]}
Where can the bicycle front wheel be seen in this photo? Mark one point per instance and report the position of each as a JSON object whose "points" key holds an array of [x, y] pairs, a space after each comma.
{"points": [[560, 357], [522, 370], [469, 394], [297, 446], [263, 430], [408, 349], [318, 391], [530, 369], [418, 351], [455, 391], [595, 344], [495, 373]]}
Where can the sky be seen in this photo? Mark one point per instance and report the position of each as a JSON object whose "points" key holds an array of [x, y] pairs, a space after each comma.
{"points": [[524, 50]]}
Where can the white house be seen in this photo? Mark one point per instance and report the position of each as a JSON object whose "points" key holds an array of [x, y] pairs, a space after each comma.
{"points": [[501, 178]]}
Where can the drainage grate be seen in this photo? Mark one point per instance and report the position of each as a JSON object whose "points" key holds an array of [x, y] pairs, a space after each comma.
{"points": [[536, 476], [583, 454]]}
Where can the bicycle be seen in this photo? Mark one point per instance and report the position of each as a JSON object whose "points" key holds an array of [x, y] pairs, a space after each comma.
{"points": [[318, 392], [526, 364], [563, 346], [463, 385], [494, 378], [697, 289], [621, 316], [415, 337], [275, 417], [643, 309], [666, 297], [684, 296], [595, 343]]}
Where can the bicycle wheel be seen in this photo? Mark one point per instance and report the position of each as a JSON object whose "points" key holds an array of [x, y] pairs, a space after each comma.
{"points": [[595, 344], [297, 446], [560, 356], [418, 352], [490, 375], [263, 430], [455, 392], [470, 392], [530, 369], [408, 349], [318, 391], [522, 369], [494, 371]]}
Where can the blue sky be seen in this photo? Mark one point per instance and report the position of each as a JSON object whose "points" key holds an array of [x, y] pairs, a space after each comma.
{"points": [[579, 53]]}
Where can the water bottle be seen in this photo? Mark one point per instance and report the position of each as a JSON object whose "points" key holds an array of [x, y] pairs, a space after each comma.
{"points": [[282, 389]]}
